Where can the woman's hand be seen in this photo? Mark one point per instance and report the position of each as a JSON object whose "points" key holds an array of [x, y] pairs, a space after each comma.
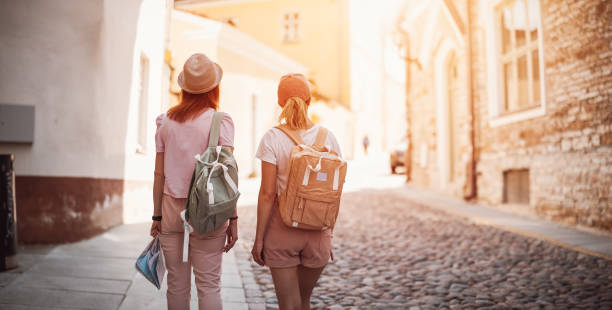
{"points": [[155, 228], [257, 253], [232, 235]]}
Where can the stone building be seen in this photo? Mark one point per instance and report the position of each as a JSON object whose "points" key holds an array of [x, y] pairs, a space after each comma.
{"points": [[509, 103]]}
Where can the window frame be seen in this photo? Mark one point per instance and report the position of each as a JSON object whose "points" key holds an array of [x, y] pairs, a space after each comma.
{"points": [[142, 110], [498, 116], [291, 22]]}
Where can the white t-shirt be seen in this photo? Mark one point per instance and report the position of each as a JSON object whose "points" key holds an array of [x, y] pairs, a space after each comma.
{"points": [[275, 148]]}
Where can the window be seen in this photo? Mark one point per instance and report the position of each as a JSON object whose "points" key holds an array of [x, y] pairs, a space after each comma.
{"points": [[291, 27], [143, 105], [516, 186], [232, 21], [518, 30]]}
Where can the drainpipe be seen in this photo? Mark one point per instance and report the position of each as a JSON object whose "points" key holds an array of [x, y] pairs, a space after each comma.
{"points": [[409, 61], [408, 153], [471, 193], [405, 45]]}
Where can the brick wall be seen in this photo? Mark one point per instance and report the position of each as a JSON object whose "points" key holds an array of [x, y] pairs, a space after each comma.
{"points": [[568, 150]]}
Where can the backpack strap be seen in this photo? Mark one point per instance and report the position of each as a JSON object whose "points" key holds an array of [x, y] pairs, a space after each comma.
{"points": [[321, 138], [215, 129], [292, 134]]}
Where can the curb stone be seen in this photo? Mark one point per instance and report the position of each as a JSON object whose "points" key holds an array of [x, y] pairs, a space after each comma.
{"points": [[254, 294]]}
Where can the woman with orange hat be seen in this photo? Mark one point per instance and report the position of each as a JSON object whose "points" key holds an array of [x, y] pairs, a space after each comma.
{"points": [[182, 133], [295, 257]]}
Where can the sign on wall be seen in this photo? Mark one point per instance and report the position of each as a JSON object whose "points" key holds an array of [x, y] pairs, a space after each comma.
{"points": [[16, 123]]}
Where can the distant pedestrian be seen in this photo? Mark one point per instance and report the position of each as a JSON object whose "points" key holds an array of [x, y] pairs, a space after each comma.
{"points": [[366, 144], [296, 257], [182, 133]]}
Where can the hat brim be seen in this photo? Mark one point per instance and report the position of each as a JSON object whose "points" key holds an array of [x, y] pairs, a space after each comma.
{"points": [[219, 75]]}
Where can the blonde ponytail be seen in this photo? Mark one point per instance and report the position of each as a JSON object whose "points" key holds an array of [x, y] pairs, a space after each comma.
{"points": [[295, 114]]}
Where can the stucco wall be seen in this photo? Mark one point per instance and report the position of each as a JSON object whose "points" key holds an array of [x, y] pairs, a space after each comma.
{"points": [[150, 19], [323, 43], [74, 61], [57, 63], [151, 25]]}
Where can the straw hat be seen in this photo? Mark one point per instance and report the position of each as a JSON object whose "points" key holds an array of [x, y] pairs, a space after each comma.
{"points": [[293, 85], [199, 74]]}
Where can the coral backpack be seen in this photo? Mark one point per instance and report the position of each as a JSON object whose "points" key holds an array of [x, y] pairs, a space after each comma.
{"points": [[314, 184]]}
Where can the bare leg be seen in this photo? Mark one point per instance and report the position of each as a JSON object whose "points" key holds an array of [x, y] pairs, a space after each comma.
{"points": [[308, 277], [287, 287]]}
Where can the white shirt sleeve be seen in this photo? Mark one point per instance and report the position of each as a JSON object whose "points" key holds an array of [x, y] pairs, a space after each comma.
{"points": [[333, 143], [266, 151], [159, 139]]}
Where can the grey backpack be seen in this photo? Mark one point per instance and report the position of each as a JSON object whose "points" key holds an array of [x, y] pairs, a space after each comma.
{"points": [[213, 191]]}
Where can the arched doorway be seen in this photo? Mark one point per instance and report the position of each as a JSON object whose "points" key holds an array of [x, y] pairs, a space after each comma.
{"points": [[451, 98], [447, 100]]}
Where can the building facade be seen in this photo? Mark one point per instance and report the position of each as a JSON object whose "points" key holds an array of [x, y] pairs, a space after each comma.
{"points": [[295, 28], [93, 73], [347, 47], [251, 71], [509, 103]]}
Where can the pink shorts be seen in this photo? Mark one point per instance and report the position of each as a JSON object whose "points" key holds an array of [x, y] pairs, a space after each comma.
{"points": [[286, 247]]}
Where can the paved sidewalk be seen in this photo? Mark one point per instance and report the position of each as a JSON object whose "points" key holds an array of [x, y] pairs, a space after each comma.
{"points": [[589, 243], [98, 274]]}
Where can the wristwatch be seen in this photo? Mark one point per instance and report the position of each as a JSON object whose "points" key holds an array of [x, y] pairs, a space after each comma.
{"points": [[157, 218], [233, 218]]}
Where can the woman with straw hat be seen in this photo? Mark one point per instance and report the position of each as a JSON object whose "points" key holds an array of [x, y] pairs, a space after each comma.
{"points": [[182, 133]]}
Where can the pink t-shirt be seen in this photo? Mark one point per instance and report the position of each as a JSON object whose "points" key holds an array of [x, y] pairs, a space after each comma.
{"points": [[275, 148], [180, 142]]}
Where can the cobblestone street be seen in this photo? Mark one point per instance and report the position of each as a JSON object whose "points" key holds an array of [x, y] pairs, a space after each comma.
{"points": [[468, 143], [394, 254]]}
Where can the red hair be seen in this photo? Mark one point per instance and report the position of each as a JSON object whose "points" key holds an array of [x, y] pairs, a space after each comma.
{"points": [[192, 105]]}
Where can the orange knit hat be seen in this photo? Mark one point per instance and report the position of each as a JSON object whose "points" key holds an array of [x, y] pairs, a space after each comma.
{"points": [[293, 85]]}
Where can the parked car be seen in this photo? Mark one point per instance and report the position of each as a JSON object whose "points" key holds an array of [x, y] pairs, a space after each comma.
{"points": [[397, 157]]}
